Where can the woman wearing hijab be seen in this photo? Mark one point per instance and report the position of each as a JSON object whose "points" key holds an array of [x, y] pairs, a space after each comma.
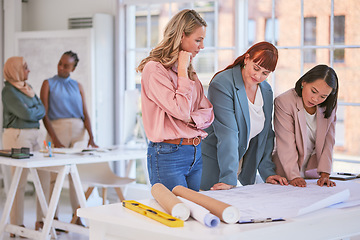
{"points": [[22, 111]]}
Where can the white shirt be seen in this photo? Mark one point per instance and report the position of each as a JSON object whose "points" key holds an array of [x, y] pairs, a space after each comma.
{"points": [[257, 116], [311, 137], [257, 119]]}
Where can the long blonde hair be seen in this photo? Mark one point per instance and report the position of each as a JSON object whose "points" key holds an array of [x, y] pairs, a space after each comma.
{"points": [[167, 51]]}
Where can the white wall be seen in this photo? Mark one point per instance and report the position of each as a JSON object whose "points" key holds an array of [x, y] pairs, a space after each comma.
{"points": [[40, 15], [52, 15]]}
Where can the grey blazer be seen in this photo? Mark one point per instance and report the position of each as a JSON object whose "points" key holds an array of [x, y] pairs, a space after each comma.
{"points": [[228, 135]]}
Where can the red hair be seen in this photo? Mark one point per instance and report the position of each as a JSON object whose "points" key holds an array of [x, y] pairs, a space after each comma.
{"points": [[263, 53]]}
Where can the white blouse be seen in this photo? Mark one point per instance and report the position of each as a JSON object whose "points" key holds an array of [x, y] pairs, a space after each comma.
{"points": [[311, 137], [257, 119], [257, 116]]}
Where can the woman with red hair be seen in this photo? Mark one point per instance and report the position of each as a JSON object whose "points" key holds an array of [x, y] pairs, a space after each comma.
{"points": [[240, 140]]}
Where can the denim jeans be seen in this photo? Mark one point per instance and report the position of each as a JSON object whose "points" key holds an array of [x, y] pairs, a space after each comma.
{"points": [[172, 165]]}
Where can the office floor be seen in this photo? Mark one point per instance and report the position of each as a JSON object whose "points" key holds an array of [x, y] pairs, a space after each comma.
{"points": [[30, 213], [135, 192], [65, 212]]}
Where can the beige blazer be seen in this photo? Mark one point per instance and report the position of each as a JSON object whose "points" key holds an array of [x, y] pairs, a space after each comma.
{"points": [[291, 137]]}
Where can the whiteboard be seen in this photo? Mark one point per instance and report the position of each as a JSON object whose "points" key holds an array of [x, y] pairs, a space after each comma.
{"points": [[42, 51], [95, 71]]}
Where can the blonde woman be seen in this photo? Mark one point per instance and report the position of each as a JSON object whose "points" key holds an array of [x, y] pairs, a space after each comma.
{"points": [[174, 107]]}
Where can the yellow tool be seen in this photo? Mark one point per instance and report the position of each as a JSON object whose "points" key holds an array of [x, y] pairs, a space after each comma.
{"points": [[152, 213]]}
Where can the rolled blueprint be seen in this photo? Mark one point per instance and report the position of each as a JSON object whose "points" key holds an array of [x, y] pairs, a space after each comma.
{"points": [[201, 214], [224, 211], [171, 204]]}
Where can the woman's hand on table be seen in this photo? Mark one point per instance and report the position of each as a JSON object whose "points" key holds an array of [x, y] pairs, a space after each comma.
{"points": [[221, 186], [276, 179]]}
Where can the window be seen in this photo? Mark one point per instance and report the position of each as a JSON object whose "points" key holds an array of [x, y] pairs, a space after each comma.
{"points": [[145, 23], [306, 33], [271, 30], [339, 38], [251, 31], [306, 37], [310, 39], [150, 20]]}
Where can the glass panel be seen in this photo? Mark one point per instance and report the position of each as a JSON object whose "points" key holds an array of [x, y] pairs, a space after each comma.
{"points": [[203, 4], [251, 32], [287, 71], [226, 23], [259, 11], [348, 135], [321, 56], [204, 66], [138, 57], [272, 31], [209, 17], [340, 127], [140, 175], [288, 14], [339, 38], [309, 55], [339, 29], [140, 35], [225, 58], [310, 31], [310, 39], [348, 132], [350, 10], [321, 11], [182, 6], [141, 19], [155, 35], [349, 75]]}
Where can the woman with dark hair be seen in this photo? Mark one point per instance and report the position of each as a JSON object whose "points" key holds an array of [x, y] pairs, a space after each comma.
{"points": [[304, 123], [241, 139], [67, 119]]}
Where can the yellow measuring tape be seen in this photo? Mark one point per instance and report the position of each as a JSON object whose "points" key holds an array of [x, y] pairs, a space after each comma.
{"points": [[152, 213]]}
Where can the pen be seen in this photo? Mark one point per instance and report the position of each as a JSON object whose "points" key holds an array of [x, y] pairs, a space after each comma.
{"points": [[346, 174], [262, 220], [46, 147], [50, 152]]}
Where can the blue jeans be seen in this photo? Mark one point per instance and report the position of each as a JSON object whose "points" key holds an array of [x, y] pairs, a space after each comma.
{"points": [[172, 165]]}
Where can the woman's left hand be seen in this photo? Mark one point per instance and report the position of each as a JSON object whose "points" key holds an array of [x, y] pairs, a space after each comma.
{"points": [[92, 143], [275, 179], [324, 179], [221, 186]]}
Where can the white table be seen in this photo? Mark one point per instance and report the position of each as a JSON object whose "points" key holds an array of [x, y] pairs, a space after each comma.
{"points": [[63, 164], [116, 222]]}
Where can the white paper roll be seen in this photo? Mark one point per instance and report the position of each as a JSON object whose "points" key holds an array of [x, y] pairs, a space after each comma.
{"points": [[201, 214], [231, 214], [224, 211], [181, 211]]}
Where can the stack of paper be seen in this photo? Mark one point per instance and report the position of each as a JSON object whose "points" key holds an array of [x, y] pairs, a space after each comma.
{"points": [[268, 201]]}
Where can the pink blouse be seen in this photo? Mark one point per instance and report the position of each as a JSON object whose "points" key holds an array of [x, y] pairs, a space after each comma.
{"points": [[169, 103]]}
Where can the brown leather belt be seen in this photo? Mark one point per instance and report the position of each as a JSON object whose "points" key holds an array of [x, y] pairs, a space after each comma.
{"points": [[186, 141]]}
